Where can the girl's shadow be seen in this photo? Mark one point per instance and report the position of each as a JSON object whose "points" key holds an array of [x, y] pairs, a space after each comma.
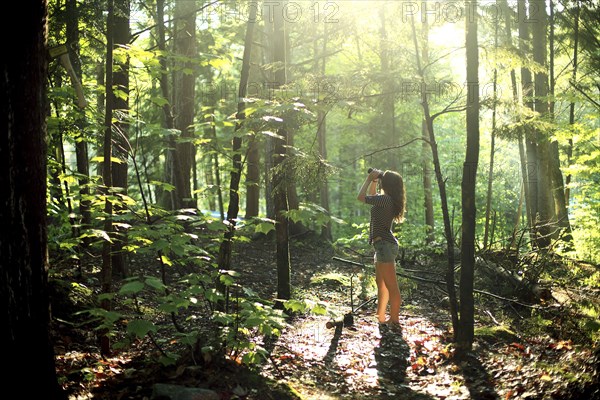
{"points": [[392, 356]]}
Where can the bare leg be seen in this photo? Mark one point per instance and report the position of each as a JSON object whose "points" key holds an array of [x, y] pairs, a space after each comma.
{"points": [[383, 295], [387, 273]]}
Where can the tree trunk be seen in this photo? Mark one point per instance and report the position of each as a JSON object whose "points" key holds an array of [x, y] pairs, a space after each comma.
{"points": [[81, 149], [253, 180], [224, 259], [168, 200], [453, 304], [267, 57], [558, 184], [545, 203], [24, 303], [488, 206], [425, 150], [106, 272], [184, 97], [295, 227], [531, 193], [322, 136], [280, 199], [515, 92], [121, 148], [572, 105], [465, 334]]}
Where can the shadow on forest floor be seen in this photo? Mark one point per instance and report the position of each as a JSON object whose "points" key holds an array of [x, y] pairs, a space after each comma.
{"points": [[362, 361]]}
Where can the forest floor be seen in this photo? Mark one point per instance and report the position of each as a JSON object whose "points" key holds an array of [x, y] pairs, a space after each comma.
{"points": [[361, 360]]}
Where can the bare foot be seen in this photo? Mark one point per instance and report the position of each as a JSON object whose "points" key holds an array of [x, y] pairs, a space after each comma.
{"points": [[394, 325]]}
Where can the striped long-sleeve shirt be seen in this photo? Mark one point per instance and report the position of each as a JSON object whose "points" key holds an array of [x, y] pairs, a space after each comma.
{"points": [[382, 217]]}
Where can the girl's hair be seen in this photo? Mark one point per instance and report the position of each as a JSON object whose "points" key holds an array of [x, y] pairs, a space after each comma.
{"points": [[393, 185]]}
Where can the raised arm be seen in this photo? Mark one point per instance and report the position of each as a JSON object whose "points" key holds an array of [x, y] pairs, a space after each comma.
{"points": [[369, 186]]}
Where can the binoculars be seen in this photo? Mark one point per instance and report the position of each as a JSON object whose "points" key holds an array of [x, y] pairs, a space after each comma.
{"points": [[373, 169]]}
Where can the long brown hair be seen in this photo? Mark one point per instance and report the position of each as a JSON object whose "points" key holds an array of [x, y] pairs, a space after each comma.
{"points": [[393, 185]]}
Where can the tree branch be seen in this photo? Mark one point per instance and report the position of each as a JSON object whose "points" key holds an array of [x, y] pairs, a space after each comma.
{"points": [[393, 147], [594, 102], [442, 283]]}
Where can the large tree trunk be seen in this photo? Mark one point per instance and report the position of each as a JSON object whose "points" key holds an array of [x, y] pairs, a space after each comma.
{"points": [[545, 203], [184, 97], [25, 334], [467, 308]]}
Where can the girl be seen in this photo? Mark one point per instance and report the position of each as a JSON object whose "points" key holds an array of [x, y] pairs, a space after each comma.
{"points": [[387, 207]]}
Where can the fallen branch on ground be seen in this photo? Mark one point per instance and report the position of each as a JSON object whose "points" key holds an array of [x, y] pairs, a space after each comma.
{"points": [[442, 283]]}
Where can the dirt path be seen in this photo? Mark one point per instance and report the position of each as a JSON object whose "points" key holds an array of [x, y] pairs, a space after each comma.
{"points": [[369, 361]]}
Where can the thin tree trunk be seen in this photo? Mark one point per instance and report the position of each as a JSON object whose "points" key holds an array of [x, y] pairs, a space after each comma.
{"points": [[121, 146], [295, 227], [442, 189], [488, 205], [425, 150], [515, 92], [169, 199], [267, 58], [322, 138], [217, 171], [572, 105], [224, 259], [106, 272], [558, 184], [280, 199], [530, 144], [81, 150], [253, 180], [467, 268]]}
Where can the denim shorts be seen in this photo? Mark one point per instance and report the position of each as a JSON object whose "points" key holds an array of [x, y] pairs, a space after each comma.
{"points": [[385, 251]]}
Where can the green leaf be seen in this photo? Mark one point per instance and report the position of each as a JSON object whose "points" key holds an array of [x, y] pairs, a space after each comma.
{"points": [[264, 227], [131, 288], [294, 305], [226, 280], [159, 101], [141, 327], [155, 283]]}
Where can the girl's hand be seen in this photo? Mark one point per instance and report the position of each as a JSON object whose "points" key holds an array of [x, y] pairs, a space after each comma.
{"points": [[374, 175]]}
